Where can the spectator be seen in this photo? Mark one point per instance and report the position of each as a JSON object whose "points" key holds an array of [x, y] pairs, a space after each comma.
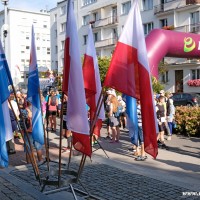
{"points": [[143, 156], [66, 133], [52, 103], [123, 121], [114, 122], [161, 117], [170, 117]]}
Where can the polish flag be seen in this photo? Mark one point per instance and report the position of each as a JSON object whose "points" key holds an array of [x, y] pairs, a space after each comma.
{"points": [[129, 73], [73, 86], [92, 82]]}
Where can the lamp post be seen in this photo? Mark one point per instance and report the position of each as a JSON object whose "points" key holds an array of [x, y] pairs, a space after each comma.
{"points": [[4, 31]]}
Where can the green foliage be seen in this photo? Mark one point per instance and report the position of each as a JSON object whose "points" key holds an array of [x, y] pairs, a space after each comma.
{"points": [[104, 63], [157, 86], [162, 67], [188, 120]]}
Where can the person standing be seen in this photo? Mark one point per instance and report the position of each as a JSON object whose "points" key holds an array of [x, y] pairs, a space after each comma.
{"points": [[52, 105]]}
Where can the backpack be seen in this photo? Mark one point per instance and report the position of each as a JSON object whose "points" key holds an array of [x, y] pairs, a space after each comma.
{"points": [[53, 100], [119, 111]]}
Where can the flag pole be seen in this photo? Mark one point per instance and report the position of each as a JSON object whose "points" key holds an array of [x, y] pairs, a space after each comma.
{"points": [[33, 161], [45, 138], [60, 141], [30, 157]]}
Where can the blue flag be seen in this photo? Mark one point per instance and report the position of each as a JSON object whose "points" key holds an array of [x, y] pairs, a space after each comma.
{"points": [[33, 95], [5, 125], [132, 121]]}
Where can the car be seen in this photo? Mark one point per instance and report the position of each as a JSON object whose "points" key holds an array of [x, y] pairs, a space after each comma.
{"points": [[186, 99]]}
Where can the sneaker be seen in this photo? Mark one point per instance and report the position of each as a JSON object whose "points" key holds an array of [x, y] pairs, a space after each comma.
{"points": [[108, 137], [164, 146], [169, 138], [141, 158]]}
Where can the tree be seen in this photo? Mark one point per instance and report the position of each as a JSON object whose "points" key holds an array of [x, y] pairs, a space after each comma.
{"points": [[104, 63], [157, 86]]}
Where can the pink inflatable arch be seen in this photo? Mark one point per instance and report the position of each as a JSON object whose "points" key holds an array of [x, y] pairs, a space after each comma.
{"points": [[161, 43]]}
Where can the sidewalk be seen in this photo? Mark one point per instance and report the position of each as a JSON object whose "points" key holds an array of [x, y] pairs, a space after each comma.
{"points": [[121, 177]]}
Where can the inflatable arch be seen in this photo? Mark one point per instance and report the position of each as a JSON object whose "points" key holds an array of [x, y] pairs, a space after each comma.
{"points": [[161, 43]]}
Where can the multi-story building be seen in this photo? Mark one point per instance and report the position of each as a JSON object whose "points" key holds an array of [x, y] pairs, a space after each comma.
{"points": [[108, 18], [19, 41]]}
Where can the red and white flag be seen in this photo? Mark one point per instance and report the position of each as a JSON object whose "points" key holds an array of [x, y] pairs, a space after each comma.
{"points": [[92, 82], [73, 86], [129, 73]]}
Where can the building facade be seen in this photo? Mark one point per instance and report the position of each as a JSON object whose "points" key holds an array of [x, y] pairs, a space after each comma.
{"points": [[107, 19], [19, 42]]}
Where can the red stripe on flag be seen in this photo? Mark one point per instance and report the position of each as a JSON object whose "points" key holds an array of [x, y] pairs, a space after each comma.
{"points": [[123, 71], [66, 67], [98, 127], [89, 76], [148, 121], [81, 142]]}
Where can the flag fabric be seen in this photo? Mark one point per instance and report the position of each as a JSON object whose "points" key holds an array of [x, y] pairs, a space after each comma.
{"points": [[73, 86], [6, 133], [92, 82], [33, 95], [132, 121], [129, 73]]}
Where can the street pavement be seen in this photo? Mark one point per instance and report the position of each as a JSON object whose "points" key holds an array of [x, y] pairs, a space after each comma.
{"points": [[174, 172]]}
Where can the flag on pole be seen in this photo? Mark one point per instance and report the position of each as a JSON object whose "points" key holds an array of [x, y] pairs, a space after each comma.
{"points": [[33, 95], [92, 81], [73, 86], [6, 133], [129, 73], [132, 121]]}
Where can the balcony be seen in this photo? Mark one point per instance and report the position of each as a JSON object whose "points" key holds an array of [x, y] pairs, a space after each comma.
{"points": [[191, 28], [173, 4], [104, 22], [107, 42]]}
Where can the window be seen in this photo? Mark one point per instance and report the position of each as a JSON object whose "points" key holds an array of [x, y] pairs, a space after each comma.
{"points": [[34, 21], [27, 37], [85, 37], [147, 4], [27, 47], [195, 74], [55, 17], [96, 37], [63, 10], [165, 77], [148, 27], [56, 49], [44, 26], [163, 22], [96, 16], [194, 20], [87, 2], [86, 20], [62, 45], [126, 7], [38, 48], [62, 27], [56, 33], [48, 50]]}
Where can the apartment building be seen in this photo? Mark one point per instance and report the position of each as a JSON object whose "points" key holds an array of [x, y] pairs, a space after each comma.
{"points": [[19, 41], [107, 19]]}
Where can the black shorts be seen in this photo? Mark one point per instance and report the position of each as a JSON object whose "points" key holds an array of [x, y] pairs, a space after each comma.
{"points": [[65, 125], [161, 127], [123, 114], [53, 113]]}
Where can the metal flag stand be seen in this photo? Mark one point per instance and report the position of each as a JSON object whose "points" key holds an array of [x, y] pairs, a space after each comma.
{"points": [[74, 176], [98, 109]]}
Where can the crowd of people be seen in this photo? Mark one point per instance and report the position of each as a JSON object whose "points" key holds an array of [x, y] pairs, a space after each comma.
{"points": [[116, 118], [115, 108]]}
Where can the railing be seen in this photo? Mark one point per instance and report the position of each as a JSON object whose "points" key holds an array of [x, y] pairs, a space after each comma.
{"points": [[104, 22], [107, 42], [171, 5], [191, 28]]}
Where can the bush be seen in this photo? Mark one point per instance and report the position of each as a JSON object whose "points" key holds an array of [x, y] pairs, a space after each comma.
{"points": [[188, 120]]}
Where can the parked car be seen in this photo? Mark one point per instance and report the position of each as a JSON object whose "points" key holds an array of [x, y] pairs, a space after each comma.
{"points": [[186, 99]]}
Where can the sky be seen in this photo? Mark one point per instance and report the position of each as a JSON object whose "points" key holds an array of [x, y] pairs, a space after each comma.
{"points": [[31, 5]]}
